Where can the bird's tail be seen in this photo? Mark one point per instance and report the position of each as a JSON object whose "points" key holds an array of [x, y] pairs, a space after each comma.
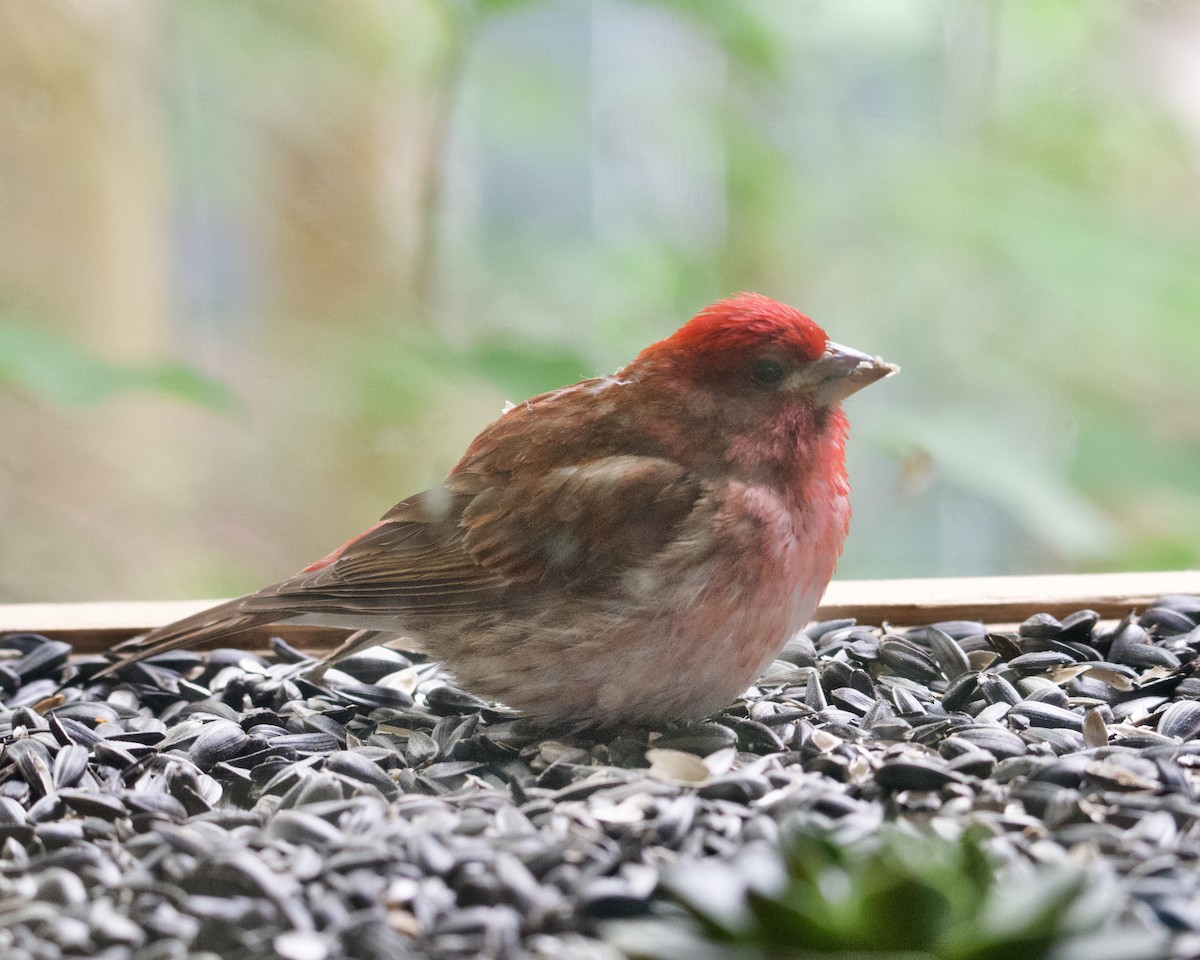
{"points": [[216, 623]]}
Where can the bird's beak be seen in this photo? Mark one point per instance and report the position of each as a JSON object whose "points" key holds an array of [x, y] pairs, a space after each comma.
{"points": [[841, 371]]}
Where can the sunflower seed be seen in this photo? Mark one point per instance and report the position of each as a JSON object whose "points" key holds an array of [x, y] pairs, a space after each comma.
{"points": [[1079, 624], [996, 689], [950, 656], [1049, 693], [41, 660], [1121, 776], [907, 659], [960, 691], [362, 770], [214, 801], [814, 693], [800, 651], [995, 740], [1126, 636], [1095, 731], [1005, 645], [915, 775], [741, 788], [92, 804], [1059, 739], [699, 738], [1040, 662], [1048, 715], [32, 761], [973, 763], [1181, 719], [1188, 605], [1166, 622], [853, 701], [217, 741], [1148, 655], [1085, 687], [1041, 626], [307, 743]]}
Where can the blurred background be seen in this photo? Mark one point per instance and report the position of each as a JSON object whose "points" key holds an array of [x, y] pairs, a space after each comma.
{"points": [[266, 267]]}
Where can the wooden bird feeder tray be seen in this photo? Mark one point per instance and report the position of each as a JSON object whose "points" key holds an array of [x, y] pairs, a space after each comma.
{"points": [[95, 627]]}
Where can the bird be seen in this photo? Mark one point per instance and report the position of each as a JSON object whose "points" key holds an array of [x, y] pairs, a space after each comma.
{"points": [[629, 550]]}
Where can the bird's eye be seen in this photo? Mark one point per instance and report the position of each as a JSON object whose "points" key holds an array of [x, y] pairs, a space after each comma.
{"points": [[767, 371]]}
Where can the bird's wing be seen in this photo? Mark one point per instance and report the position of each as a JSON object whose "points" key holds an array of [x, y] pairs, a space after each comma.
{"points": [[472, 544], [466, 544], [412, 560], [581, 525]]}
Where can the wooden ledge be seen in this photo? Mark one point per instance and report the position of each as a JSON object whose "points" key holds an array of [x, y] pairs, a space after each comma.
{"points": [[94, 627], [1001, 599]]}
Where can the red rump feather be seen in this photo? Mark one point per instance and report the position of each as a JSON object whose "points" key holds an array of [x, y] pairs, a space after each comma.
{"points": [[745, 320], [331, 557]]}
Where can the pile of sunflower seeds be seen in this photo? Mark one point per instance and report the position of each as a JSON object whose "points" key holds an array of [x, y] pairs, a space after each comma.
{"points": [[220, 805]]}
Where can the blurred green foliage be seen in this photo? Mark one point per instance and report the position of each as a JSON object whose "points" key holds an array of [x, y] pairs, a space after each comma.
{"points": [[385, 219], [996, 195], [55, 369]]}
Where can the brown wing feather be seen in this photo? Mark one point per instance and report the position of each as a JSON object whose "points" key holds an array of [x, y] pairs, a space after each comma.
{"points": [[469, 543], [412, 561], [582, 524], [473, 544]]}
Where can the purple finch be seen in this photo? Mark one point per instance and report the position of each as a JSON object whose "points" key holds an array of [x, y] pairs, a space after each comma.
{"points": [[629, 550]]}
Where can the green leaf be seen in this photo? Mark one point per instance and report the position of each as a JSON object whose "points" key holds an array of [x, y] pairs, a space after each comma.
{"points": [[799, 918], [897, 894], [58, 371]]}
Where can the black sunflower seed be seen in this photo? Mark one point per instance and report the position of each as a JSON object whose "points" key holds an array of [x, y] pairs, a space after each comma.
{"points": [[1048, 715], [1040, 625], [915, 775], [1147, 655], [41, 660], [1040, 662], [960, 691], [907, 659], [1166, 622], [700, 738], [245, 812], [1078, 626], [1181, 719], [218, 741]]}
